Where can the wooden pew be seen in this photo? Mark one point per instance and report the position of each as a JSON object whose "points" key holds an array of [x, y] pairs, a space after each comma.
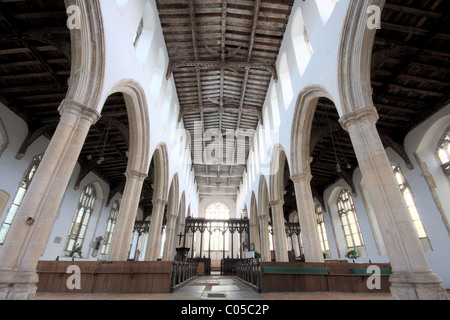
{"points": [[292, 277], [107, 277], [352, 277]]}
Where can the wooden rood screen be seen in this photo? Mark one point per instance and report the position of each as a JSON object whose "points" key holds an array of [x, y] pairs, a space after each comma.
{"points": [[113, 277]]}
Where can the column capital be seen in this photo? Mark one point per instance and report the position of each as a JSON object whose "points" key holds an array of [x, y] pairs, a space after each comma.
{"points": [[159, 202], [359, 115], [134, 174], [301, 177], [79, 109], [276, 202]]}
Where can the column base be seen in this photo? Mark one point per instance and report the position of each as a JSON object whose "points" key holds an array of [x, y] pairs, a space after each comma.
{"points": [[18, 285], [417, 286]]}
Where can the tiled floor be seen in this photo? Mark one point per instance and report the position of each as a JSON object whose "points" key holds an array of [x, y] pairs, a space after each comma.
{"points": [[216, 287]]}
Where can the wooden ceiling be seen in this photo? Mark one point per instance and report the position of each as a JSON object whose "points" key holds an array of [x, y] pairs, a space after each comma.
{"points": [[222, 56], [410, 81]]}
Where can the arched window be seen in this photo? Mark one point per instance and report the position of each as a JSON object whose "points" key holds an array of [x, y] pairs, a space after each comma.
{"points": [[443, 152], [300, 40], [349, 220], [407, 195], [321, 229], [217, 211], [25, 184], [112, 220], [81, 218]]}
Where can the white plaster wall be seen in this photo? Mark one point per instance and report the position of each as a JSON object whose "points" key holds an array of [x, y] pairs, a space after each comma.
{"points": [[122, 63]]}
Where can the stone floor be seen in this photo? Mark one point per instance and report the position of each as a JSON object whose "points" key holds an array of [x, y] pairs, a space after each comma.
{"points": [[216, 287]]}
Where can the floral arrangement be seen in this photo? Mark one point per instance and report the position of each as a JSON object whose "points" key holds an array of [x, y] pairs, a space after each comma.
{"points": [[352, 253], [75, 249]]}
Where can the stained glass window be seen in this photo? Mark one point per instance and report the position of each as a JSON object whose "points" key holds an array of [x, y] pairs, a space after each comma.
{"points": [[321, 229], [81, 218], [112, 220], [407, 195], [443, 153], [25, 184], [349, 220]]}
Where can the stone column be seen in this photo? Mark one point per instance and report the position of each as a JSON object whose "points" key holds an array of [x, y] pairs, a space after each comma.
{"points": [[412, 277], [279, 231], [264, 234], [127, 216], [254, 235], [169, 246], [307, 218], [154, 237], [27, 238]]}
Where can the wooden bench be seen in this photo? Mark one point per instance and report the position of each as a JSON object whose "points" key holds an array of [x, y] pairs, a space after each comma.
{"points": [[294, 270], [292, 277], [351, 277], [107, 277]]}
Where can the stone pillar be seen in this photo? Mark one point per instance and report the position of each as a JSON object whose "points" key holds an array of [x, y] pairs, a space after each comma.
{"points": [[264, 234], [27, 238], [254, 235], [154, 237], [127, 216], [412, 277], [279, 231], [169, 246], [307, 218]]}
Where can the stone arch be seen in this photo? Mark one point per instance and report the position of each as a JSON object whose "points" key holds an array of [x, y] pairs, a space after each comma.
{"points": [[301, 128], [170, 219], [263, 218], [276, 180], [355, 57], [161, 180], [254, 227], [88, 63], [139, 124]]}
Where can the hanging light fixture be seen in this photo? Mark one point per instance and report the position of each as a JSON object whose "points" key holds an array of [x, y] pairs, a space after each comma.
{"points": [[101, 152], [341, 160]]}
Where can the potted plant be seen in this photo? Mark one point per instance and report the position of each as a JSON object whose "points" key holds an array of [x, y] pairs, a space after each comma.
{"points": [[352, 254], [75, 249], [257, 256]]}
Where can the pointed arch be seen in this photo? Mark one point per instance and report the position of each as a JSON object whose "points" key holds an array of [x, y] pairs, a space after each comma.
{"points": [[276, 180], [88, 63], [301, 127], [161, 179], [139, 124], [355, 57]]}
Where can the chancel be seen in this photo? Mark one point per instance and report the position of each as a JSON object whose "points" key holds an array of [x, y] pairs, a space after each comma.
{"points": [[292, 146]]}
